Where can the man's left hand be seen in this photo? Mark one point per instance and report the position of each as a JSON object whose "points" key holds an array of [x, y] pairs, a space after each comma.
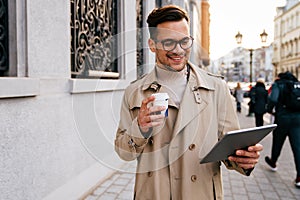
{"points": [[248, 158]]}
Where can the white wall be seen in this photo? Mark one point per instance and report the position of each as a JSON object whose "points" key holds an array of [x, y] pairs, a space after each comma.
{"points": [[45, 143], [48, 30]]}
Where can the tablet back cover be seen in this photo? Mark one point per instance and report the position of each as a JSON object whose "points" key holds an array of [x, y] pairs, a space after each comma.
{"points": [[234, 140]]}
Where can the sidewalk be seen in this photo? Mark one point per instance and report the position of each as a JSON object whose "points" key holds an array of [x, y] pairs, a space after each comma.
{"points": [[262, 184]]}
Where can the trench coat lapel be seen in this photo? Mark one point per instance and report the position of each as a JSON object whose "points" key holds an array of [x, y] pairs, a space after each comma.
{"points": [[195, 99]]}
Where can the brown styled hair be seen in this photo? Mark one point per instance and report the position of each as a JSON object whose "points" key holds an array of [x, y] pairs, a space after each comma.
{"points": [[164, 14]]}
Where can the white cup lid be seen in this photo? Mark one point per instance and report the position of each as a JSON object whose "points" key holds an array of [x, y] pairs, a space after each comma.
{"points": [[161, 96]]}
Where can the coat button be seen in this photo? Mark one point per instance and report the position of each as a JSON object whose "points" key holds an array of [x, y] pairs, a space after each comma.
{"points": [[193, 178], [192, 147], [150, 174], [150, 141]]}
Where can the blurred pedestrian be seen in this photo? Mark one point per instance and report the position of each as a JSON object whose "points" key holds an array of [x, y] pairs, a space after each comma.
{"points": [[239, 96], [259, 99], [287, 120], [250, 103]]}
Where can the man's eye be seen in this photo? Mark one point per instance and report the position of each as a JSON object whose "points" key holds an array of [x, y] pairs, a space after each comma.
{"points": [[169, 43], [185, 41]]}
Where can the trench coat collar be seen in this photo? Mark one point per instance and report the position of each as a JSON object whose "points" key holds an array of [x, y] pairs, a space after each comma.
{"points": [[152, 82]]}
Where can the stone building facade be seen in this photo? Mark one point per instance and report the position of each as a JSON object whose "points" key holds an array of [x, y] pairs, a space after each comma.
{"points": [[287, 39], [63, 68]]}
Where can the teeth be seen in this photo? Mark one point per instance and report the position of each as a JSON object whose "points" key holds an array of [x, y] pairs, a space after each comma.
{"points": [[176, 58]]}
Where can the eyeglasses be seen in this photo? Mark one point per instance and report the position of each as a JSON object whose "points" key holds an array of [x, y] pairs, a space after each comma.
{"points": [[170, 44]]}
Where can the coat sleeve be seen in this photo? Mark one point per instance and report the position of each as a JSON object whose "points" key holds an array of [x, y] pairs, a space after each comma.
{"points": [[129, 142], [228, 121]]}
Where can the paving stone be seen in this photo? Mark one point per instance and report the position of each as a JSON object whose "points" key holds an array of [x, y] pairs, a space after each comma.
{"points": [[240, 197], [115, 176], [99, 191], [270, 195], [227, 193], [116, 189], [266, 187], [122, 181], [127, 175], [239, 190], [252, 188], [295, 191], [91, 197], [255, 196], [130, 187], [228, 197], [107, 183], [108, 196], [284, 193], [126, 195]]}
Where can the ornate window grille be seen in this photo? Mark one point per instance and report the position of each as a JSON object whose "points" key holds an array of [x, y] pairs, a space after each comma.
{"points": [[3, 37], [140, 52], [94, 29]]}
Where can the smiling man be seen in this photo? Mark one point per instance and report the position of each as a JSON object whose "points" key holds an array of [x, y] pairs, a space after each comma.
{"points": [[200, 110]]}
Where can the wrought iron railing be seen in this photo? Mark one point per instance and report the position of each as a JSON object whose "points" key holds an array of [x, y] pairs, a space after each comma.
{"points": [[140, 52], [4, 37], [94, 29]]}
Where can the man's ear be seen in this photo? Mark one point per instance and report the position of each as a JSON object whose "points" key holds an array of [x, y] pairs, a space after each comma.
{"points": [[151, 44]]}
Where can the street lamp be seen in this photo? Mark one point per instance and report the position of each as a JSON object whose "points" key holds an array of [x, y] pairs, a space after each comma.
{"points": [[239, 38], [263, 36]]}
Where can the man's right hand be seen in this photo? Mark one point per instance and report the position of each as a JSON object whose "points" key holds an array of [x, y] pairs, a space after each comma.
{"points": [[147, 117]]}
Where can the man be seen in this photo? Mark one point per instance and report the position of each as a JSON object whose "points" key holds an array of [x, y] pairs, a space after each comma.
{"points": [[288, 123], [200, 109]]}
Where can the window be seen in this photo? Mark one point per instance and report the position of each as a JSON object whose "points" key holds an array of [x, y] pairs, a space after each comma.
{"points": [[4, 57], [140, 52], [94, 29]]}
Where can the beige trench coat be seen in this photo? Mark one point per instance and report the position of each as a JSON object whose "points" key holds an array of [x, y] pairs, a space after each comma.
{"points": [[168, 161]]}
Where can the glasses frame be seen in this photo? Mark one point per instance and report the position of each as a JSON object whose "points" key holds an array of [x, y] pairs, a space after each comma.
{"points": [[176, 43]]}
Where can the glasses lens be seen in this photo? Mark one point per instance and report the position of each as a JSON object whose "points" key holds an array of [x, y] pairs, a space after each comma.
{"points": [[169, 44], [186, 43]]}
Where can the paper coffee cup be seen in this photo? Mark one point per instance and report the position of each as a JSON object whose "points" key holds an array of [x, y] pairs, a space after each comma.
{"points": [[161, 99]]}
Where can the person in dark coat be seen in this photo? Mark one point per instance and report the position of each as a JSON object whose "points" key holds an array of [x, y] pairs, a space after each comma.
{"points": [[250, 103], [259, 98], [288, 125]]}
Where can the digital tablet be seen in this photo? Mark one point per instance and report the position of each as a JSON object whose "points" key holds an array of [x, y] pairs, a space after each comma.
{"points": [[234, 140]]}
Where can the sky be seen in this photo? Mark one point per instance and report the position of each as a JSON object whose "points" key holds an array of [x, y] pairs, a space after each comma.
{"points": [[250, 17]]}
